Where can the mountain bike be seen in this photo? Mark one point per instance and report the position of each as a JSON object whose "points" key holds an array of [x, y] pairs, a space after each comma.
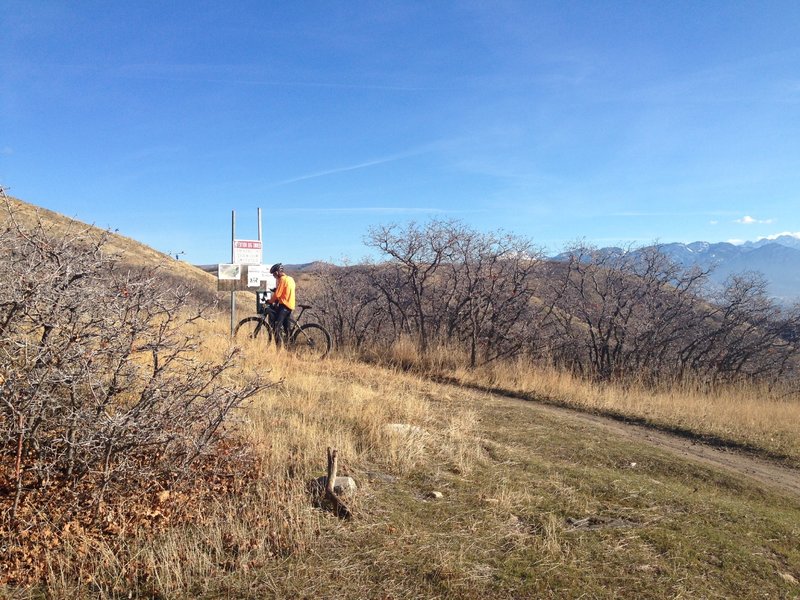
{"points": [[309, 340]]}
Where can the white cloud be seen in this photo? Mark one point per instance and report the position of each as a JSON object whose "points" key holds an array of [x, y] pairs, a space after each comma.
{"points": [[6, 151], [736, 242], [713, 222], [748, 220], [774, 236]]}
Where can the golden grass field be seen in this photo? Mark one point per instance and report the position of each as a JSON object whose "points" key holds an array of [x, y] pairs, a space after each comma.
{"points": [[132, 252], [535, 505]]}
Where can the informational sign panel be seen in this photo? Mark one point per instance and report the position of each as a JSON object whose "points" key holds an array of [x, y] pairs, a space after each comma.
{"points": [[258, 273], [235, 278], [229, 272], [247, 252]]}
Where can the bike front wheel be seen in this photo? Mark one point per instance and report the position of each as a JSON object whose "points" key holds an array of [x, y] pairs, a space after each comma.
{"points": [[255, 328], [311, 341]]}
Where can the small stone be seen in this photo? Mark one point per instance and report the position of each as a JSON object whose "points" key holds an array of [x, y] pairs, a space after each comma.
{"points": [[435, 495], [342, 486], [788, 578], [403, 428]]}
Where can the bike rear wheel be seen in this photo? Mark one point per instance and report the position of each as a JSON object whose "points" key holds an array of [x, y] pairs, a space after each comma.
{"points": [[311, 341], [255, 328]]}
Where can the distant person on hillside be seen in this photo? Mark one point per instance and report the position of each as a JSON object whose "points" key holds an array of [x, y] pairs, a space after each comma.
{"points": [[282, 301]]}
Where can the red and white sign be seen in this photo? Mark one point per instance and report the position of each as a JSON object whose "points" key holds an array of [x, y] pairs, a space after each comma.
{"points": [[247, 252]]}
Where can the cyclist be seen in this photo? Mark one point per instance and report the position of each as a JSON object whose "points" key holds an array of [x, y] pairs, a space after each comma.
{"points": [[282, 301]]}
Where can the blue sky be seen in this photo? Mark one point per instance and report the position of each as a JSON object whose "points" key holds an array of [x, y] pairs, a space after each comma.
{"points": [[613, 122]]}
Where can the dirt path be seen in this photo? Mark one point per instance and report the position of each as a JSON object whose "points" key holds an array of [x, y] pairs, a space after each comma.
{"points": [[769, 473]]}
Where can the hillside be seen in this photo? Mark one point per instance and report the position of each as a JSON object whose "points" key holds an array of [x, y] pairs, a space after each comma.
{"points": [[132, 252], [532, 502]]}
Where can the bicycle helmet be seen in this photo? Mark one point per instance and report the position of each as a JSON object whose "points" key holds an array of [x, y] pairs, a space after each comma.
{"points": [[275, 268]]}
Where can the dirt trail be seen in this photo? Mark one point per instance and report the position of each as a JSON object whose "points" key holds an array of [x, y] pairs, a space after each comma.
{"points": [[769, 473]]}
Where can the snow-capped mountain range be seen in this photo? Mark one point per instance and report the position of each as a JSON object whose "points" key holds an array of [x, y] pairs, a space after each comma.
{"points": [[792, 240], [778, 259]]}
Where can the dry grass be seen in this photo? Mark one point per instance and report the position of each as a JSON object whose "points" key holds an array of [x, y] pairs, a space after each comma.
{"points": [[534, 506], [343, 404], [761, 418], [332, 403], [755, 416]]}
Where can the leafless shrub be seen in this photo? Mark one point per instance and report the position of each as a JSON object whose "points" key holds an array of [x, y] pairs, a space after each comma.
{"points": [[745, 335], [351, 306], [417, 254], [101, 388]]}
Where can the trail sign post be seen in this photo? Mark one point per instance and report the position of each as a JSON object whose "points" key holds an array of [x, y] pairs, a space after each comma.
{"points": [[245, 270]]}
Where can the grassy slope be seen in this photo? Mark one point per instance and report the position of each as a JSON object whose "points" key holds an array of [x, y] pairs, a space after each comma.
{"points": [[534, 505], [132, 252], [507, 525]]}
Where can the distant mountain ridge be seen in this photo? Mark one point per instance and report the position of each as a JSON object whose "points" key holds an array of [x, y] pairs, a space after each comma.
{"points": [[786, 239], [778, 260]]}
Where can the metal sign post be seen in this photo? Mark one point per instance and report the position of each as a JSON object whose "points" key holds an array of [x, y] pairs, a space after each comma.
{"points": [[246, 271], [233, 255]]}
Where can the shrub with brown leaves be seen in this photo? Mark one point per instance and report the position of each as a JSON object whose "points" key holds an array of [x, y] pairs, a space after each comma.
{"points": [[102, 394]]}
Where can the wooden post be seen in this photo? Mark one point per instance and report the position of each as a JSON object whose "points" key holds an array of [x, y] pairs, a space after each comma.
{"points": [[341, 509]]}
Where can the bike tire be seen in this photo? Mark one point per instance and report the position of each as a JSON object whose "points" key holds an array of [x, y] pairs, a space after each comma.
{"points": [[311, 341], [255, 328]]}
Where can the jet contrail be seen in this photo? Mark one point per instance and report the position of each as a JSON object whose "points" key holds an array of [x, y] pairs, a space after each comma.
{"points": [[363, 165]]}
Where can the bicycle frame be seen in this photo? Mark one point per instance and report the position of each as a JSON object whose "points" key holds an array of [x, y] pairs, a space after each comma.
{"points": [[294, 322], [309, 338]]}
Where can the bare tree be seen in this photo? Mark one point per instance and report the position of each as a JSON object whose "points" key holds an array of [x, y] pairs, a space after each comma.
{"points": [[349, 305], [418, 253], [458, 285], [494, 280], [742, 335]]}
